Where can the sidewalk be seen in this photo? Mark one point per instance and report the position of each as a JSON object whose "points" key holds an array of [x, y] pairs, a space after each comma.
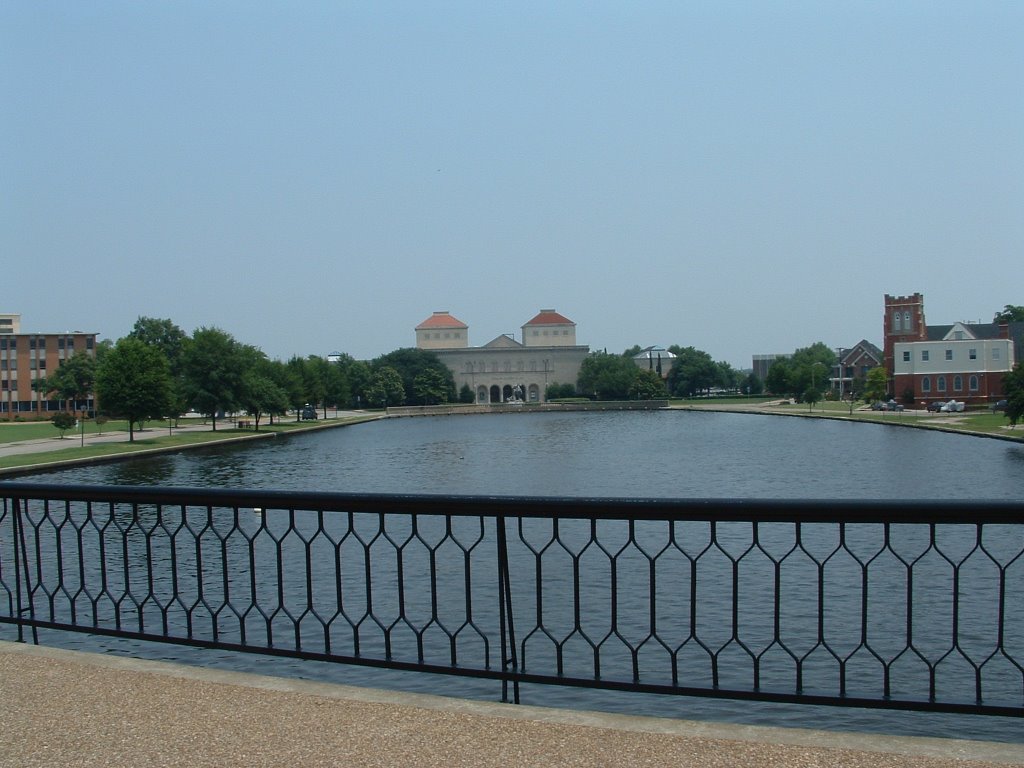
{"points": [[66, 708], [74, 440]]}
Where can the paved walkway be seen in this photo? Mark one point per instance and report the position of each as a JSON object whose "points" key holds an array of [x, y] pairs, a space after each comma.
{"points": [[66, 708]]}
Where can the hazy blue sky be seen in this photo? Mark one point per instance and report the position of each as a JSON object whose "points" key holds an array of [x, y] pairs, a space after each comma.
{"points": [[743, 177]]}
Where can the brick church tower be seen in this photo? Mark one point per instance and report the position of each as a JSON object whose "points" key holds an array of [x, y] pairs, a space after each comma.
{"points": [[904, 321]]}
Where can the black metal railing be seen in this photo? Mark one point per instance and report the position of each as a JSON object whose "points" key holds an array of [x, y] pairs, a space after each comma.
{"points": [[903, 605]]}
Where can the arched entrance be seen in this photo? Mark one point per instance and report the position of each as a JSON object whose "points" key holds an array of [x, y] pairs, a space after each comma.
{"points": [[495, 394], [533, 393], [506, 393], [481, 394]]}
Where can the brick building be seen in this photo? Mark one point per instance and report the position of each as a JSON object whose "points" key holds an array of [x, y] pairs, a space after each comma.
{"points": [[962, 361], [27, 357]]}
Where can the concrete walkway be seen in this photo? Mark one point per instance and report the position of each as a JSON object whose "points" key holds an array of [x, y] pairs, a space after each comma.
{"points": [[66, 708]]}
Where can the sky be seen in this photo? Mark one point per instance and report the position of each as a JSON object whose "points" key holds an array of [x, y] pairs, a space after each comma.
{"points": [[319, 177]]}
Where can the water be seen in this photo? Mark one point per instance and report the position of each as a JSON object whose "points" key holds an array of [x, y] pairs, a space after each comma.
{"points": [[637, 454], [674, 454]]}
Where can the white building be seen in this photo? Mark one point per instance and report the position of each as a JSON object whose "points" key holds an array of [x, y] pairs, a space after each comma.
{"points": [[505, 369]]}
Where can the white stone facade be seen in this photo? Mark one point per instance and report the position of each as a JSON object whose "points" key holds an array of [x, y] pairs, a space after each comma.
{"points": [[506, 370]]}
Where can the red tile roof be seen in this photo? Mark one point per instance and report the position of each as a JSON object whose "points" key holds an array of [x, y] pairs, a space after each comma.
{"points": [[441, 320], [550, 317]]}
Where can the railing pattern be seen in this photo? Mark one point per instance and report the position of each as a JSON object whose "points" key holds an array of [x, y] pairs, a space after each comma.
{"points": [[899, 604]]}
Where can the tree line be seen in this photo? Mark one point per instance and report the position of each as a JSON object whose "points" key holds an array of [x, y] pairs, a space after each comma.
{"points": [[158, 371]]}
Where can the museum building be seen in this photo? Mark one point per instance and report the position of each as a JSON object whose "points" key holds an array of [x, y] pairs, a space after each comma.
{"points": [[506, 370]]}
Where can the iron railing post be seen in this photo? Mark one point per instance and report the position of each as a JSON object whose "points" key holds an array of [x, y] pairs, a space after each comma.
{"points": [[506, 618]]}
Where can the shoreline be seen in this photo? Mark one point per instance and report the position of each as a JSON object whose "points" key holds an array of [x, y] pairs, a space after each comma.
{"points": [[771, 408]]}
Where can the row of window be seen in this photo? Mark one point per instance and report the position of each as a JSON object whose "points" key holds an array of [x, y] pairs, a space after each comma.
{"points": [[506, 366], [39, 342], [447, 335], [897, 325], [972, 354], [940, 384], [553, 333]]}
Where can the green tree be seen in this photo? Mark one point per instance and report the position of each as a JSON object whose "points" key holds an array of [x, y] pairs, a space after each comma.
{"points": [[811, 396], [556, 391], [337, 392], [875, 385], [358, 376], [693, 371], [316, 379], [261, 394], [607, 377], [75, 378], [212, 367], [164, 335], [385, 388], [431, 387], [647, 385], [1011, 313], [728, 377], [776, 380], [409, 363], [466, 395], [133, 381], [633, 351], [811, 367], [63, 421], [1013, 387], [752, 384]]}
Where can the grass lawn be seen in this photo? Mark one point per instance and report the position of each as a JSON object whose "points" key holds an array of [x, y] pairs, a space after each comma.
{"points": [[14, 431], [155, 435]]}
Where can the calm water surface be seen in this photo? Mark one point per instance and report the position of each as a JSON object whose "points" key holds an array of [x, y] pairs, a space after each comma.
{"points": [[631, 454], [657, 454]]}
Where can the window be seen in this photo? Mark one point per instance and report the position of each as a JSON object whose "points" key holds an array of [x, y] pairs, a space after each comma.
{"points": [[941, 384], [926, 384], [972, 354], [995, 353], [924, 355], [896, 326], [906, 356], [973, 383], [949, 354], [906, 321], [958, 383]]}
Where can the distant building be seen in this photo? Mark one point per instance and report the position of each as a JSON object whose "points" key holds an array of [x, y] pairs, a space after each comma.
{"points": [[442, 331], [10, 324], [962, 361], [505, 369], [657, 359], [761, 364], [854, 363], [26, 357]]}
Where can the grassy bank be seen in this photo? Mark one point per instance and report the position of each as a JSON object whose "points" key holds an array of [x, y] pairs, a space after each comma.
{"points": [[155, 437], [973, 422]]}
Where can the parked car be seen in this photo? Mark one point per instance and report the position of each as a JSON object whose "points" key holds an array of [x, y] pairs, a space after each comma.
{"points": [[936, 406], [999, 405], [953, 406], [308, 413], [892, 405], [879, 406]]}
